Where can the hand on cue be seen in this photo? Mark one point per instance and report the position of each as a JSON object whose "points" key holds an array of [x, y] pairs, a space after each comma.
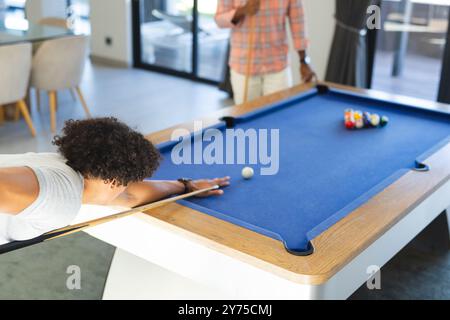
{"points": [[206, 183]]}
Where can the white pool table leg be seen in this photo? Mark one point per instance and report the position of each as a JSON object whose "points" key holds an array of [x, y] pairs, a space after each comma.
{"points": [[131, 277]]}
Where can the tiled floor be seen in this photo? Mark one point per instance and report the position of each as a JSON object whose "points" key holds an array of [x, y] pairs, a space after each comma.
{"points": [[420, 77], [420, 271]]}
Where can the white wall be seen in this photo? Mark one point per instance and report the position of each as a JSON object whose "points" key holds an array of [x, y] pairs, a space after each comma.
{"points": [[111, 18], [320, 26], [38, 9]]}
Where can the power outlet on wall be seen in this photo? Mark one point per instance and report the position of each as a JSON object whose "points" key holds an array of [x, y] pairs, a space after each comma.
{"points": [[108, 41]]}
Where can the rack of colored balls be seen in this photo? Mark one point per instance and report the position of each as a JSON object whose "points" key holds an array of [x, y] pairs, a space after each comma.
{"points": [[355, 119]]}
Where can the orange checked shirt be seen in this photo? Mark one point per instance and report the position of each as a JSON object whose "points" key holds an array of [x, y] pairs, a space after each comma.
{"points": [[270, 44]]}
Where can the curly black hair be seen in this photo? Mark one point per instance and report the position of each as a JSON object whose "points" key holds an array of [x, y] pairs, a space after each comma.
{"points": [[107, 149]]}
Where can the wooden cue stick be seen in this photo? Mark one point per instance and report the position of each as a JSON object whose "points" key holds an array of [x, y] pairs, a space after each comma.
{"points": [[65, 231], [251, 40]]}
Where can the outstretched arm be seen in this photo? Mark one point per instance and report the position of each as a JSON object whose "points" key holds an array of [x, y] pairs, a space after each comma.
{"points": [[140, 193]]}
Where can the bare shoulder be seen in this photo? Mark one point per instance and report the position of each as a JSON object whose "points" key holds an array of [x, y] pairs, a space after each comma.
{"points": [[19, 188]]}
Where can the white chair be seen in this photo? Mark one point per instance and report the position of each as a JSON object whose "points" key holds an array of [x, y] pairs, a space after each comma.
{"points": [[55, 22], [15, 66], [52, 22], [57, 65]]}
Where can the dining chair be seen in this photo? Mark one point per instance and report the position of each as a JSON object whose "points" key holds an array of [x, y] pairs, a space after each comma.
{"points": [[59, 23], [57, 65], [55, 22], [15, 66]]}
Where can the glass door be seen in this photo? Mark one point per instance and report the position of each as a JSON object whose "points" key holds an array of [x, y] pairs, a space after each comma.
{"points": [[12, 13], [79, 12], [179, 37], [212, 43], [410, 47], [166, 34]]}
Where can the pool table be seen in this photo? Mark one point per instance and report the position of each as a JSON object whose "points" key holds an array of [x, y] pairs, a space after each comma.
{"points": [[342, 202]]}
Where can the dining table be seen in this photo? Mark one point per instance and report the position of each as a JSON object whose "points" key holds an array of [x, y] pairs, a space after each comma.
{"points": [[16, 31]]}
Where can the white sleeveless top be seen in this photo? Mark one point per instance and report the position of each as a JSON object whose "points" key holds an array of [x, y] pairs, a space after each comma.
{"points": [[58, 202]]}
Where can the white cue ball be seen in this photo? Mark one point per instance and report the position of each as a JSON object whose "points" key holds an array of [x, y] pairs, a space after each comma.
{"points": [[247, 173]]}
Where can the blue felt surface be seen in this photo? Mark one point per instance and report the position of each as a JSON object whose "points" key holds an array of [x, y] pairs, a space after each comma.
{"points": [[325, 171]]}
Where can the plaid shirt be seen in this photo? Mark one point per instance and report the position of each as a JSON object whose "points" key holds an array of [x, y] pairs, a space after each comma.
{"points": [[270, 45]]}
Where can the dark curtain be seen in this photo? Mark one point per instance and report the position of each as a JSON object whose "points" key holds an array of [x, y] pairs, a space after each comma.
{"points": [[444, 87], [371, 42], [349, 58]]}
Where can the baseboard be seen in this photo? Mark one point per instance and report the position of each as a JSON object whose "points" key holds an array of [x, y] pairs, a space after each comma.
{"points": [[110, 62]]}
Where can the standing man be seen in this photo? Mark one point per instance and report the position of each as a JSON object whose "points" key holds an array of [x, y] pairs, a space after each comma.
{"points": [[259, 48]]}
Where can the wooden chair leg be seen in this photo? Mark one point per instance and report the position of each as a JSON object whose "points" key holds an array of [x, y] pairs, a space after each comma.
{"points": [[16, 113], [2, 114], [83, 102], [27, 98], [38, 100], [22, 106], [52, 99]]}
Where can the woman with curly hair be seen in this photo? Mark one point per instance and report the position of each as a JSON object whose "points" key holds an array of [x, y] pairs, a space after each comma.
{"points": [[99, 161]]}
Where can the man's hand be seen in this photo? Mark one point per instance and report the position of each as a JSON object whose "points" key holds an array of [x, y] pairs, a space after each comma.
{"points": [[203, 184], [307, 73], [249, 9]]}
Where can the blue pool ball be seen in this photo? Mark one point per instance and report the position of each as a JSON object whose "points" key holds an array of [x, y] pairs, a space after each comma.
{"points": [[366, 118]]}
